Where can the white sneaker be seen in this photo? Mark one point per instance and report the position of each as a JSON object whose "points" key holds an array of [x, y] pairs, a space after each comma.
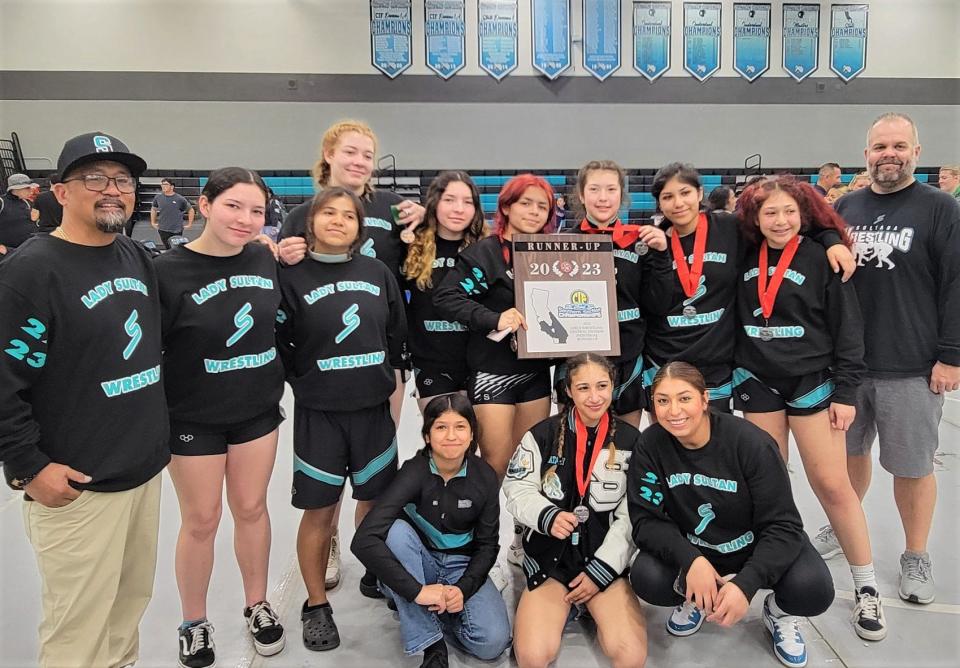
{"points": [[685, 620], [788, 644], [498, 577], [826, 542], [333, 563]]}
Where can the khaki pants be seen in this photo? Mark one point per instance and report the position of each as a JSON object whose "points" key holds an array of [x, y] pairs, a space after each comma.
{"points": [[97, 558]]}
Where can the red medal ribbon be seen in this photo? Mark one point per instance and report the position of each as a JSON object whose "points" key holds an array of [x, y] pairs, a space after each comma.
{"points": [[583, 477], [506, 247], [769, 295], [690, 276], [623, 235]]}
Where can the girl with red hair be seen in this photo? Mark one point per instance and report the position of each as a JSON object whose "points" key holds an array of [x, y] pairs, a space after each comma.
{"points": [[799, 359], [508, 394]]}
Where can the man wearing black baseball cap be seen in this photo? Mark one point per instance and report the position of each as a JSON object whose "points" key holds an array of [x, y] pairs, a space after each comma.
{"points": [[83, 420]]}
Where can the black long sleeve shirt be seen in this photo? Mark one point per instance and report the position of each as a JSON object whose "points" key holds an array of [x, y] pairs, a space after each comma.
{"points": [[434, 342], [729, 501], [816, 322], [80, 380], [475, 292], [459, 516], [220, 362], [707, 338], [341, 332], [907, 246]]}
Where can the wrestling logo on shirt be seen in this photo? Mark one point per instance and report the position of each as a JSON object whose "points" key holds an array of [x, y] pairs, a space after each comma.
{"points": [[876, 243]]}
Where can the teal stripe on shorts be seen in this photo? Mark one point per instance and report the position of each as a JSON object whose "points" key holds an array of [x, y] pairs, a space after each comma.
{"points": [[376, 464]]}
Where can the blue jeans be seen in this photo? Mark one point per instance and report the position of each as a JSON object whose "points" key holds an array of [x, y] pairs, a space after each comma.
{"points": [[481, 628]]}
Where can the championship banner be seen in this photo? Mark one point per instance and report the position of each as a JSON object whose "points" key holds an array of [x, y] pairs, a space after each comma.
{"points": [[391, 40], [801, 40], [601, 37], [848, 40], [751, 39], [445, 28], [497, 34], [566, 289], [701, 39], [551, 36], [651, 38]]}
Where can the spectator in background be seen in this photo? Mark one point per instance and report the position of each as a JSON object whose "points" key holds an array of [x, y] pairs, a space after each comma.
{"points": [[861, 180], [49, 210], [562, 214], [166, 212], [275, 215], [16, 214], [950, 180], [827, 177], [721, 198], [836, 193]]}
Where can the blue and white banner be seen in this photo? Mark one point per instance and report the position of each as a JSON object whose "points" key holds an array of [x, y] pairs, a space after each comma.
{"points": [[701, 39], [651, 38], [751, 39], [601, 37], [801, 39], [848, 40], [497, 33], [391, 35], [445, 28], [551, 36]]}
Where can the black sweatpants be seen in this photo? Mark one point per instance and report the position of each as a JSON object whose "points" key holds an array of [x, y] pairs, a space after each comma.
{"points": [[805, 590]]}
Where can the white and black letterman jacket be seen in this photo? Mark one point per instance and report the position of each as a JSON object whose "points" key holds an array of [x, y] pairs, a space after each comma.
{"points": [[605, 546]]}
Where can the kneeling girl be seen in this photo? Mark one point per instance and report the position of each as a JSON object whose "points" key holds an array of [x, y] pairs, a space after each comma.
{"points": [[715, 520], [431, 540], [566, 483]]}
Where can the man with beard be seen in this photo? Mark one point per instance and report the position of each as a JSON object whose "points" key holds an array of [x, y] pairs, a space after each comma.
{"points": [[907, 244], [83, 420]]}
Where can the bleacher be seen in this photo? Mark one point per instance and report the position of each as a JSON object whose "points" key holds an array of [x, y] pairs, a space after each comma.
{"points": [[295, 187]]}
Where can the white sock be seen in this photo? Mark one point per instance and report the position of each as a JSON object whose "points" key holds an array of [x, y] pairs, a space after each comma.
{"points": [[517, 535], [864, 576], [775, 609]]}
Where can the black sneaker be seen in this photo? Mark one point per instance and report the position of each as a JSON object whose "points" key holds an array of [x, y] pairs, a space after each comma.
{"points": [[265, 627], [369, 587], [868, 618], [435, 656], [196, 646]]}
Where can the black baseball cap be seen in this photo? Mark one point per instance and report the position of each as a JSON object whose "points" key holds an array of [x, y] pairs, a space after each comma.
{"points": [[95, 146]]}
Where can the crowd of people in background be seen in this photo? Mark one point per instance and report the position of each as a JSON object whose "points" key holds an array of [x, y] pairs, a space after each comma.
{"points": [[830, 312]]}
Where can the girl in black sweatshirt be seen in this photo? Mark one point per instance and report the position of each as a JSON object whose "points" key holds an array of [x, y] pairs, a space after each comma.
{"points": [[223, 381], [800, 358], [438, 347], [508, 394], [432, 539], [638, 252], [341, 331], [715, 521]]}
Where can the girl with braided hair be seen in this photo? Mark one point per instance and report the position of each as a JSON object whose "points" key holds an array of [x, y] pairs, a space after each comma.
{"points": [[566, 483]]}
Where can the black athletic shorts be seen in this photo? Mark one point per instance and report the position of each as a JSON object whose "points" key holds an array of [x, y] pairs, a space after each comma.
{"points": [[798, 395], [328, 446], [508, 389], [189, 438]]}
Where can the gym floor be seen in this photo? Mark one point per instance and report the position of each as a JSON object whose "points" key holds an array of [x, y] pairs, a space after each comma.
{"points": [[919, 636]]}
